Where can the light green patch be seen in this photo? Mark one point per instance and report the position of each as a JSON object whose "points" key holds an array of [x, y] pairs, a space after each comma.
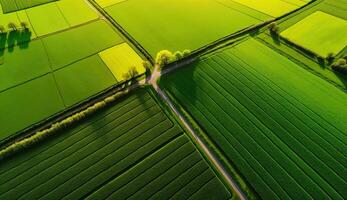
{"points": [[174, 25], [83, 79], [106, 3], [320, 32], [76, 11], [120, 59], [27, 104], [47, 19], [78, 43], [274, 8]]}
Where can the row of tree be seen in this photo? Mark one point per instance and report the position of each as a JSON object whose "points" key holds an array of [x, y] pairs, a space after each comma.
{"points": [[340, 65], [166, 57], [13, 27]]}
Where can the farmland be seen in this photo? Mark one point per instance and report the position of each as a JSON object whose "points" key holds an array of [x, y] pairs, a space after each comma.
{"points": [[323, 26], [173, 99], [130, 150], [60, 47], [274, 122]]}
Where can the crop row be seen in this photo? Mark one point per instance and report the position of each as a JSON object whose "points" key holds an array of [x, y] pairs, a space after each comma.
{"points": [[279, 153], [131, 150]]}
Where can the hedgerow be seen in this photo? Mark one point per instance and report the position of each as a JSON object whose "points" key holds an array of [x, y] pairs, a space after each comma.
{"points": [[56, 127]]}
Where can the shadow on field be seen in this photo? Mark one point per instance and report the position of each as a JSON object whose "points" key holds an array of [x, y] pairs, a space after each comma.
{"points": [[342, 78], [13, 38]]}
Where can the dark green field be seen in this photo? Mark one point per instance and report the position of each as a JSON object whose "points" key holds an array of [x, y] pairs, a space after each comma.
{"points": [[283, 128], [131, 150]]}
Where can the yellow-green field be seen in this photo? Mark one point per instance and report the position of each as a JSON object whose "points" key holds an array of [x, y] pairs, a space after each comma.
{"points": [[318, 32], [105, 3], [274, 8], [120, 59]]}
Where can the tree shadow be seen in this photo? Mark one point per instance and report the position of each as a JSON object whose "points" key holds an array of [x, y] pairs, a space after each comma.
{"points": [[10, 40], [275, 38]]}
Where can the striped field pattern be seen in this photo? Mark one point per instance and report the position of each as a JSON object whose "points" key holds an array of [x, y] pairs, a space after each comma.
{"points": [[132, 150], [257, 107]]}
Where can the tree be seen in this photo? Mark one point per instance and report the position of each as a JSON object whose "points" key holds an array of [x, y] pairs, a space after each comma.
{"points": [[178, 55], [274, 29], [186, 52], [24, 26], [12, 26], [2, 29], [164, 57], [131, 74]]}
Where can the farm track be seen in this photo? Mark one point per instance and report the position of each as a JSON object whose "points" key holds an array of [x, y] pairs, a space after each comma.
{"points": [[132, 144], [327, 176], [232, 184]]}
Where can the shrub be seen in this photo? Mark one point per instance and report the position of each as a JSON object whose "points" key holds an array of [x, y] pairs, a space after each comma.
{"points": [[24, 26], [186, 52], [178, 55], [131, 74], [164, 57], [2, 29], [274, 29], [56, 127], [147, 65], [340, 66], [12, 26]]}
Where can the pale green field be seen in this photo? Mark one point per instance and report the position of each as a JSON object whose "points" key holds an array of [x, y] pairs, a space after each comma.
{"points": [[317, 32], [120, 59], [273, 8]]}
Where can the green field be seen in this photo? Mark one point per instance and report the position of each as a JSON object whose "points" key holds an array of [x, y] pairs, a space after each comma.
{"points": [[15, 5], [283, 128], [274, 8], [131, 150], [323, 26], [64, 67], [157, 26]]}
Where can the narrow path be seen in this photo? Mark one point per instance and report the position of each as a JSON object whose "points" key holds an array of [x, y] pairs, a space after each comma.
{"points": [[215, 161]]}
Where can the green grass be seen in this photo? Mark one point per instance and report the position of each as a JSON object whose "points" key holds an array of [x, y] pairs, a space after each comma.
{"points": [[170, 25], [79, 43], [83, 79], [131, 150], [52, 21], [323, 26], [69, 9], [281, 126], [27, 104]]}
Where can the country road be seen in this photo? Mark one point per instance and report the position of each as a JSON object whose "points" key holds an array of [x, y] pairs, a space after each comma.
{"points": [[230, 181]]}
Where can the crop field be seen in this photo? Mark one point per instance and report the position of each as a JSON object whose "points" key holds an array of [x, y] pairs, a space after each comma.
{"points": [[56, 61], [314, 28], [132, 150], [323, 26], [153, 30], [274, 8], [15, 5], [282, 127]]}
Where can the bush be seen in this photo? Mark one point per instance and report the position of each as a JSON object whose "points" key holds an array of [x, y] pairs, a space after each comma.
{"points": [[178, 55], [2, 29], [131, 74], [186, 52], [57, 127], [147, 65], [164, 57], [340, 66], [12, 26], [274, 29]]}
